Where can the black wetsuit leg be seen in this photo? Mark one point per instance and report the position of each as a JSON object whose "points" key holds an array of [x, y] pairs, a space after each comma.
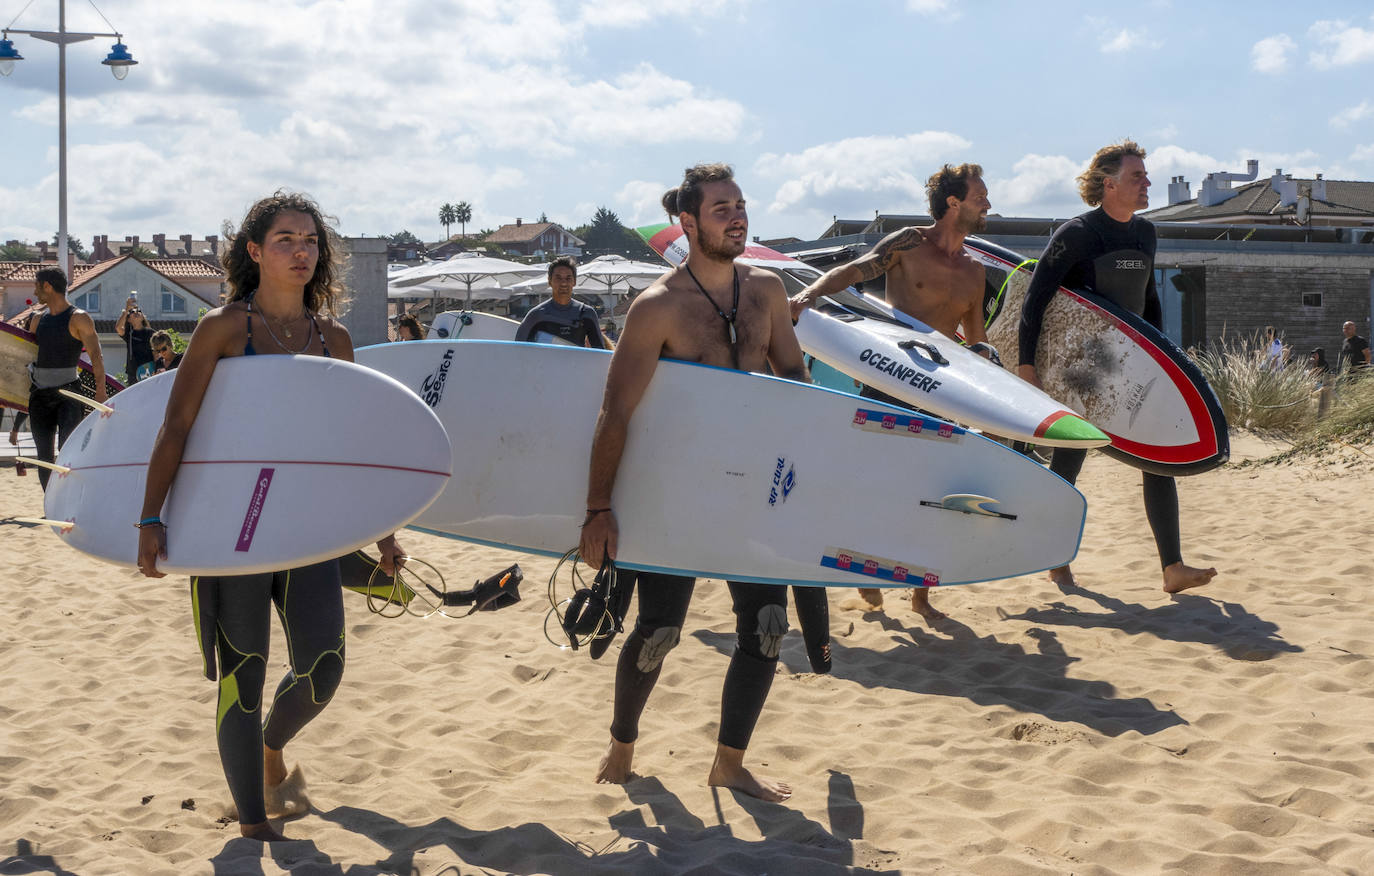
{"points": [[1161, 503], [1161, 509], [52, 419], [760, 624], [1067, 463], [813, 616], [663, 601], [309, 601]]}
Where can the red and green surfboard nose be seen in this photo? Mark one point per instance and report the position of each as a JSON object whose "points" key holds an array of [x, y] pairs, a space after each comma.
{"points": [[1066, 429]]}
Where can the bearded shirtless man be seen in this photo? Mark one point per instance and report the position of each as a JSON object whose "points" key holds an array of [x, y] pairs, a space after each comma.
{"points": [[716, 312]]}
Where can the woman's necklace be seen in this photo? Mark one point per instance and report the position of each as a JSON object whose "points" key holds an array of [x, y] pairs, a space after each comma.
{"points": [[267, 324]]}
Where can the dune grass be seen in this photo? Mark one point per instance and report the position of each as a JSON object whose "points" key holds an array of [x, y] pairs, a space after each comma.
{"points": [[1255, 394]]}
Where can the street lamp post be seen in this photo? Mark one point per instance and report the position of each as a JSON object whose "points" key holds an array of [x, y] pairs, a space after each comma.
{"points": [[119, 61]]}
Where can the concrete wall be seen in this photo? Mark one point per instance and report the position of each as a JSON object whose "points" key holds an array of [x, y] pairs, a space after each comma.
{"points": [[364, 315]]}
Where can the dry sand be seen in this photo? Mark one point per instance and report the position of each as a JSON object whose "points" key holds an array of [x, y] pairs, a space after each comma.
{"points": [[1112, 729]]}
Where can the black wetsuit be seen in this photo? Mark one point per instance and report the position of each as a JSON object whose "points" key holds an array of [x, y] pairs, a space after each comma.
{"points": [[233, 621], [760, 623], [574, 323], [52, 416], [1095, 253]]}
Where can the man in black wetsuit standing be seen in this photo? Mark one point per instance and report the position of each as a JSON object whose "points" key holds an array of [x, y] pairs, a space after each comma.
{"points": [[714, 311], [62, 332], [561, 316], [1109, 251]]}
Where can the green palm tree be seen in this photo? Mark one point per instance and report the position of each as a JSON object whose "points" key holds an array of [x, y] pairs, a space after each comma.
{"points": [[447, 216], [463, 215]]}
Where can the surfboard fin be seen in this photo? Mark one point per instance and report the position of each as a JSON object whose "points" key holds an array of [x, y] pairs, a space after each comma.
{"points": [[64, 525], [41, 463], [88, 402], [968, 503]]}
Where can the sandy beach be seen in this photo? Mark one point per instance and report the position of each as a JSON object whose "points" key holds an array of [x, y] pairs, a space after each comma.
{"points": [[1112, 729]]}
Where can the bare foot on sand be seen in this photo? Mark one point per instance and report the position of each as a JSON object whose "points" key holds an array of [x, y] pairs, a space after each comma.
{"points": [[615, 766], [1178, 577], [262, 832], [873, 596], [728, 772], [1063, 578], [920, 603], [283, 794]]}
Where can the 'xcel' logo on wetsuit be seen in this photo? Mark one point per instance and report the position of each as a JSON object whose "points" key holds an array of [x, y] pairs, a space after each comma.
{"points": [[432, 390], [1130, 264]]}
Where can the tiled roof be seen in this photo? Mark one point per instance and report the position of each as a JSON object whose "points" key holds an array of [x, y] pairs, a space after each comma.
{"points": [[24, 272], [524, 232], [190, 269], [1344, 198]]}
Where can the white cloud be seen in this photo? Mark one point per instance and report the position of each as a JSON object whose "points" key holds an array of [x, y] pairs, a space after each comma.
{"points": [[1270, 55], [1040, 185], [1350, 115], [639, 202], [451, 100], [1342, 44], [1125, 39], [1168, 132], [932, 8], [882, 171]]}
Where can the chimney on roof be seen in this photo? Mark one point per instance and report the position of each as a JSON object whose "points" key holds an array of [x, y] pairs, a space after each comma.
{"points": [[213, 240], [1179, 190], [1319, 189], [99, 252], [133, 241], [186, 244], [42, 250], [1216, 188], [160, 244], [1283, 186], [518, 221]]}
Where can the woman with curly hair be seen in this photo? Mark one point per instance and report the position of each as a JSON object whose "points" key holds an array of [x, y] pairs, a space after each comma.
{"points": [[283, 274]]}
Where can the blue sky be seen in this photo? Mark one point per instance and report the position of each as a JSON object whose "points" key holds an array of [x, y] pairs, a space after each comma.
{"points": [[385, 110]]}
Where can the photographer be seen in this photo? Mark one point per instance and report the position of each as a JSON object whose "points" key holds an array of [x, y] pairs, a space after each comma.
{"points": [[133, 327]]}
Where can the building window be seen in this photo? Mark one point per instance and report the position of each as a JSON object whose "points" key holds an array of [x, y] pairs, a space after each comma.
{"points": [[172, 302], [1311, 299], [89, 301]]}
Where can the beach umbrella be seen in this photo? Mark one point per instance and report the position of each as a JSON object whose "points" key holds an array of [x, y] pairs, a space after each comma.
{"points": [[472, 275], [606, 275]]}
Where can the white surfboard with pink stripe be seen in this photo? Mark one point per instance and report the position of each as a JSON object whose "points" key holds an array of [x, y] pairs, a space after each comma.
{"points": [[292, 460]]}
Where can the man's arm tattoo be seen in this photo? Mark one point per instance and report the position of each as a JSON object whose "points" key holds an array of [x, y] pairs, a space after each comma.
{"points": [[884, 255]]}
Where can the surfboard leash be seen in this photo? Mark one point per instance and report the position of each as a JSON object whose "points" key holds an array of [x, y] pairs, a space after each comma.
{"points": [[1002, 291]]}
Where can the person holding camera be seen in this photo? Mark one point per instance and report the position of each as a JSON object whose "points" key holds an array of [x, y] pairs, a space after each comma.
{"points": [[133, 327]]}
